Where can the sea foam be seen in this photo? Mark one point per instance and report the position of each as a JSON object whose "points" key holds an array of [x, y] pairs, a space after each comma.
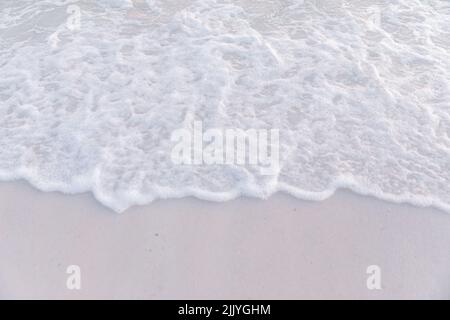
{"points": [[359, 91]]}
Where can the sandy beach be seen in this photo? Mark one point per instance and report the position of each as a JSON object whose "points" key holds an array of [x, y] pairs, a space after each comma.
{"points": [[281, 248], [145, 102]]}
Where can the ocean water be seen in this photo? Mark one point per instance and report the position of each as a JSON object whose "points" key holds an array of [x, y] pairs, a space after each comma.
{"points": [[90, 92]]}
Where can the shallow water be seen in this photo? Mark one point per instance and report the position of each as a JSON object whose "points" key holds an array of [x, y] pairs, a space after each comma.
{"points": [[360, 91]]}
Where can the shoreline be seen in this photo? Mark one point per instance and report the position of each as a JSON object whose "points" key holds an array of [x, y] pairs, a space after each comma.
{"points": [[280, 248], [222, 197]]}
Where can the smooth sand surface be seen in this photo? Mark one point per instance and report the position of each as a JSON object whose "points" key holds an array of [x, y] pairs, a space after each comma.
{"points": [[281, 248]]}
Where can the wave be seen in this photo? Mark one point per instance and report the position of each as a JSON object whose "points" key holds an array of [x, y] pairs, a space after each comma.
{"points": [[359, 92]]}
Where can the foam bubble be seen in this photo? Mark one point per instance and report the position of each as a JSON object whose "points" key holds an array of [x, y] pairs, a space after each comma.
{"points": [[359, 91]]}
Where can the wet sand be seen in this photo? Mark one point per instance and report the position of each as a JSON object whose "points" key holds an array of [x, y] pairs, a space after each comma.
{"points": [[281, 248]]}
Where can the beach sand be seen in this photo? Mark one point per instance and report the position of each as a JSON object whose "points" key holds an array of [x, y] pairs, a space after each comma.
{"points": [[280, 248]]}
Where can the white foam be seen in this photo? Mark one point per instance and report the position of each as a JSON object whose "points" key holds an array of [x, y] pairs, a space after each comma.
{"points": [[360, 92]]}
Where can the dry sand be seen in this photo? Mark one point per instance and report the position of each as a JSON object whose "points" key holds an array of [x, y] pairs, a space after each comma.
{"points": [[282, 248]]}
